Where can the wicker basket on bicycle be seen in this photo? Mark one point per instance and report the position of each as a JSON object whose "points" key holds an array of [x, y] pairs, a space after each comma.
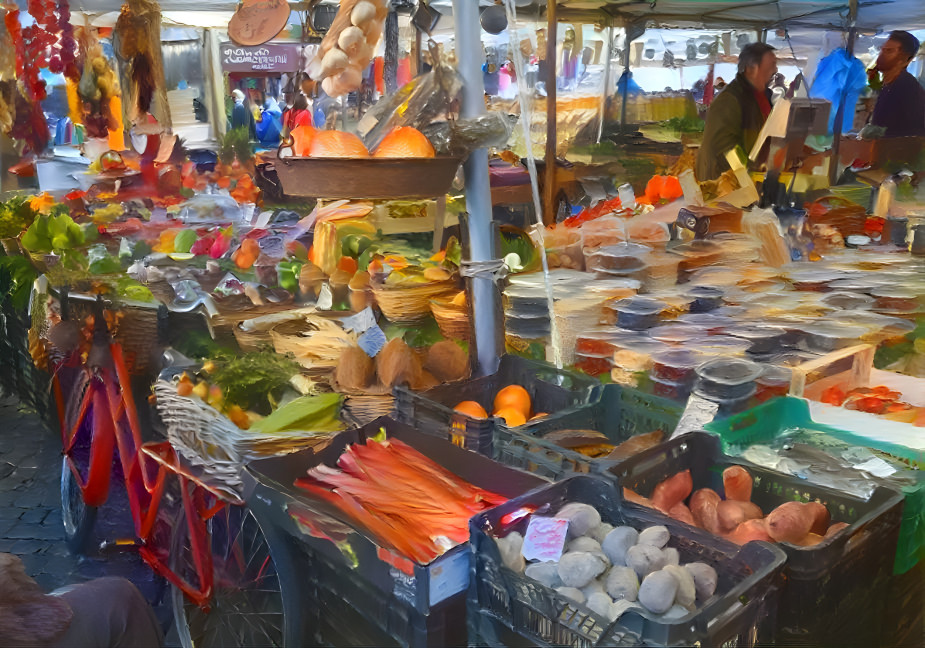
{"points": [[133, 327]]}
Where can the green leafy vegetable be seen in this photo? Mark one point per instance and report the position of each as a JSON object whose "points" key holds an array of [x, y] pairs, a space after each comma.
{"points": [[16, 278], [15, 216], [256, 380]]}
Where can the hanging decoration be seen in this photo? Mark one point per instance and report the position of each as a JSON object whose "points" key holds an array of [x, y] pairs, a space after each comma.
{"points": [[138, 34], [348, 47], [96, 89]]}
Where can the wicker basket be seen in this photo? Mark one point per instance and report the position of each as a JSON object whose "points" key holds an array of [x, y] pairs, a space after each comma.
{"points": [[360, 410], [452, 320], [316, 341], [410, 305], [251, 340]]}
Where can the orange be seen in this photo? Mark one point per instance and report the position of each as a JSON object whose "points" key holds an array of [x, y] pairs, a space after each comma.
{"points": [[471, 408], [515, 397], [405, 142], [337, 144], [511, 416]]}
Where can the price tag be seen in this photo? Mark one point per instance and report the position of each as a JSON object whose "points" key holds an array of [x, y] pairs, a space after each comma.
{"points": [[360, 322], [325, 298], [372, 341], [545, 539]]}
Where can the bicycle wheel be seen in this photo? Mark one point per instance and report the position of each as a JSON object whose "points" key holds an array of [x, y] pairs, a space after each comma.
{"points": [[79, 519], [249, 600]]}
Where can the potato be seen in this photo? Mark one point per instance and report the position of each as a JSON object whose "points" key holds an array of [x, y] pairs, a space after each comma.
{"points": [[510, 547], [657, 591], [790, 522], [687, 591], [749, 530], [672, 557], [622, 583], [821, 517], [681, 513], [645, 559], [597, 585], [703, 508], [835, 528], [545, 573], [705, 579], [617, 543], [673, 490], [581, 518], [657, 536], [571, 593], [737, 482], [578, 568], [584, 543], [601, 531], [732, 513], [600, 603]]}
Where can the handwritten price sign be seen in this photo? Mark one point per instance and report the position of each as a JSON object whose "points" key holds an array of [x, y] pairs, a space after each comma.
{"points": [[545, 539]]}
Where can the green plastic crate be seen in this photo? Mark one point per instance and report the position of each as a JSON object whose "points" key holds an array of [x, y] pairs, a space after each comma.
{"points": [[763, 423], [620, 414]]}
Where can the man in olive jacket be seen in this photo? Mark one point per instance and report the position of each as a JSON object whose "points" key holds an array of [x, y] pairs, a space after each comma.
{"points": [[738, 112]]}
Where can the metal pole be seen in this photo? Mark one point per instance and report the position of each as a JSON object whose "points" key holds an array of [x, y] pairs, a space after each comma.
{"points": [[624, 93], [608, 51], [549, 181], [486, 297], [840, 113]]}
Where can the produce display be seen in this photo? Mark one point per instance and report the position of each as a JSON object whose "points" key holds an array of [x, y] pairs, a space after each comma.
{"points": [[614, 569], [735, 517], [407, 501]]}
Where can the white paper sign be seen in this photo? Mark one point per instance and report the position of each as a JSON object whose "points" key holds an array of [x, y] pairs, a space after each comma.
{"points": [[325, 298], [545, 539], [372, 341], [360, 322]]}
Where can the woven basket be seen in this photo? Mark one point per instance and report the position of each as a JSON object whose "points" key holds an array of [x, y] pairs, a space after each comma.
{"points": [[410, 305], [317, 342], [360, 410], [452, 320], [252, 340]]}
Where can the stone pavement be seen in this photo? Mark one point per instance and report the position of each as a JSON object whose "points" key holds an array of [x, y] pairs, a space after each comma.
{"points": [[30, 515]]}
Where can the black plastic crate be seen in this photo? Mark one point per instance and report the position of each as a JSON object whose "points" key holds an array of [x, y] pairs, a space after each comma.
{"points": [[741, 612], [325, 531], [620, 413], [346, 611], [554, 391], [835, 591]]}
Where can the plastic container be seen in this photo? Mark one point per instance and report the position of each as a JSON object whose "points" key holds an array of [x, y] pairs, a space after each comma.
{"points": [[621, 259], [774, 381], [551, 390], [766, 422], [638, 313], [762, 339], [835, 591], [670, 389], [848, 300], [896, 300], [826, 336], [705, 298], [324, 530], [621, 413], [674, 333], [726, 407], [677, 366], [722, 379], [593, 365], [741, 612]]}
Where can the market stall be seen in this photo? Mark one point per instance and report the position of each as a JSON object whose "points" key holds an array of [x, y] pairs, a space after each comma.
{"points": [[387, 418]]}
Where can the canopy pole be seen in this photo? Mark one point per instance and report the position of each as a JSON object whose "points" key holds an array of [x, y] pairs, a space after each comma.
{"points": [[608, 50], [485, 309], [624, 92], [840, 113], [549, 182]]}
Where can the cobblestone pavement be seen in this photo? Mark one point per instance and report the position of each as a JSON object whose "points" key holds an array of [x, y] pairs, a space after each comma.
{"points": [[30, 515]]}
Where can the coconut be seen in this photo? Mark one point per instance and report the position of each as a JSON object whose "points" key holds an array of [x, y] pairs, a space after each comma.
{"points": [[397, 364], [355, 369], [447, 361]]}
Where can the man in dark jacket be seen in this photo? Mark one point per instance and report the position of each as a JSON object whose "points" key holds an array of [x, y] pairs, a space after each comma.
{"points": [[738, 112], [900, 107]]}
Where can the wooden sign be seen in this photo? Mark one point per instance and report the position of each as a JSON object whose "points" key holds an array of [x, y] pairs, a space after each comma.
{"points": [[256, 21]]}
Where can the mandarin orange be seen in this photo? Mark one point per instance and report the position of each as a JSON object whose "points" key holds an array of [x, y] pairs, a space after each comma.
{"points": [[512, 417], [471, 408], [515, 397]]}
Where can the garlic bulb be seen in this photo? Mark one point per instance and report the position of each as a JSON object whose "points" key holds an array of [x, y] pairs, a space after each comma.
{"points": [[334, 61], [350, 40], [363, 12]]}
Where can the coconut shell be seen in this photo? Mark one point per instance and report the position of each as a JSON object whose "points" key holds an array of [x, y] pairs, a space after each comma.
{"points": [[397, 364], [355, 370], [447, 361]]}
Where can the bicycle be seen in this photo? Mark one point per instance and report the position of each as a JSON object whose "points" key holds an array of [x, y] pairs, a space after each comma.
{"points": [[206, 550]]}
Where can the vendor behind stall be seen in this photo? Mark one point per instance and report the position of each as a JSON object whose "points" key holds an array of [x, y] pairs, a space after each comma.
{"points": [[738, 112], [900, 108]]}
